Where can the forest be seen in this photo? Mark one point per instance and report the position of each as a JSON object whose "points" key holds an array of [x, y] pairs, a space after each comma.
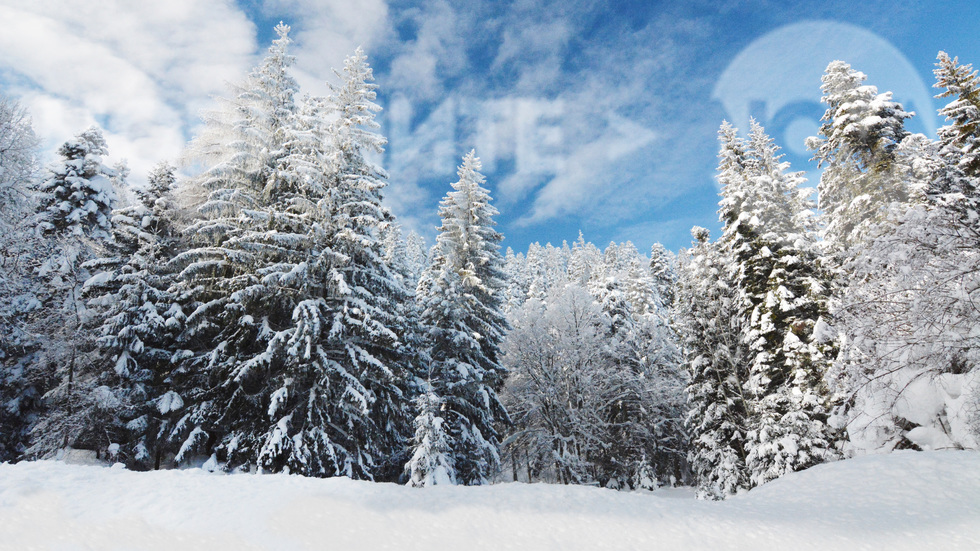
{"points": [[268, 313]]}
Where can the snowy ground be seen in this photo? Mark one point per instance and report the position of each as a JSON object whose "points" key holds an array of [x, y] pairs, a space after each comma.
{"points": [[928, 500]]}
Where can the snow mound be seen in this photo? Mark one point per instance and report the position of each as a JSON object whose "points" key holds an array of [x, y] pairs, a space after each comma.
{"points": [[915, 501]]}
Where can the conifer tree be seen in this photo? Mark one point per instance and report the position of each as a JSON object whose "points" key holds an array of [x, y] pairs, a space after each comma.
{"points": [[514, 272], [585, 261], [959, 139], [417, 258], [857, 146], [663, 271], [299, 314], [19, 290], [432, 463], [462, 304], [714, 357], [907, 318], [373, 324], [140, 319], [75, 217], [781, 294], [77, 195]]}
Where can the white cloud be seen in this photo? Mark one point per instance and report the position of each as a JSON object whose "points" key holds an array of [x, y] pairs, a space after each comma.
{"points": [[327, 31], [590, 174], [142, 70], [437, 51]]}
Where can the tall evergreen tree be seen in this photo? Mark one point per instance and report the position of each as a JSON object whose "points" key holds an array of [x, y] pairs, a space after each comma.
{"points": [[717, 416], [373, 323], [140, 320], [857, 146], [781, 296], [19, 289], [462, 303], [299, 315], [908, 315], [75, 216], [961, 138]]}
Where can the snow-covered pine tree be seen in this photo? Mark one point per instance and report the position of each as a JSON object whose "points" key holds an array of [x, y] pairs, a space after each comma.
{"points": [[19, 245], [417, 258], [556, 265], [960, 138], [374, 323], [857, 146], [781, 294], [535, 273], [585, 260], [514, 272], [909, 313], [77, 194], [432, 462], [299, 312], [243, 230], [715, 360], [76, 201], [141, 320], [663, 271], [462, 305]]}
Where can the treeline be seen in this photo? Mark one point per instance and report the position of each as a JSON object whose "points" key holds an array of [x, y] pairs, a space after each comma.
{"points": [[268, 315], [813, 335]]}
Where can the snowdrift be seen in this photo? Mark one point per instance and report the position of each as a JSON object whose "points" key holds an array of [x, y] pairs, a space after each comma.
{"points": [[927, 500]]}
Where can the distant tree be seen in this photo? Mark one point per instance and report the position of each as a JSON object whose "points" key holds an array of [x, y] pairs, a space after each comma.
{"points": [[663, 270], [592, 404], [585, 260], [417, 258], [514, 272], [560, 388]]}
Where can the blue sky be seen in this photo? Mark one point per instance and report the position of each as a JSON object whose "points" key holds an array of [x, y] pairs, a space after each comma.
{"points": [[592, 116]]}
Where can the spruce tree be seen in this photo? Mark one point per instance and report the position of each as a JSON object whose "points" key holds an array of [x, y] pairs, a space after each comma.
{"points": [[857, 146], [462, 303], [299, 315], [373, 327], [432, 463], [781, 294], [19, 289], [959, 139], [906, 317], [714, 357], [140, 319], [76, 201]]}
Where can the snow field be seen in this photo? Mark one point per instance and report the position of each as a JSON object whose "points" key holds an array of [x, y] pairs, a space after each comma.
{"points": [[908, 500]]}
